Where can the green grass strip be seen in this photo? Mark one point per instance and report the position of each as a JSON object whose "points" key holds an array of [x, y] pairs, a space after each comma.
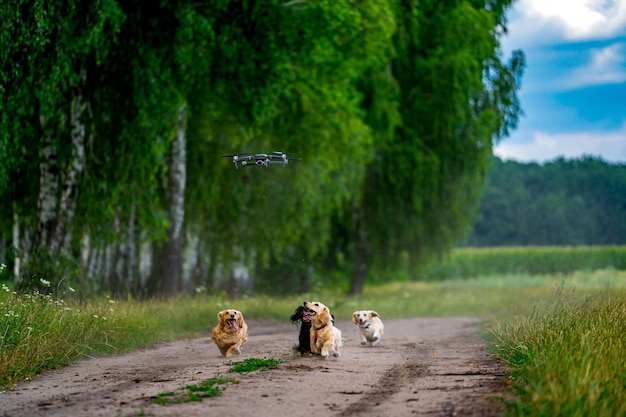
{"points": [[253, 364]]}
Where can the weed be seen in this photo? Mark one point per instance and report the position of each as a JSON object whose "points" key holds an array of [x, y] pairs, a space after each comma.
{"points": [[253, 364], [210, 388]]}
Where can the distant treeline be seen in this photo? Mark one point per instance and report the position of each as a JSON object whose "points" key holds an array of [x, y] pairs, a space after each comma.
{"points": [[564, 202]]}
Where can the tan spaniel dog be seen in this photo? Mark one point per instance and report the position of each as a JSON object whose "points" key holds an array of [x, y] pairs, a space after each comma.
{"points": [[325, 337], [371, 328], [231, 332]]}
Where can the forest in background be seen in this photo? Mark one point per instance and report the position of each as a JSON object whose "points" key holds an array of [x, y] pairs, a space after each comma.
{"points": [[115, 114], [564, 202]]}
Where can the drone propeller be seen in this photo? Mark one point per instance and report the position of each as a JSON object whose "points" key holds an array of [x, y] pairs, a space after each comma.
{"points": [[283, 153]]}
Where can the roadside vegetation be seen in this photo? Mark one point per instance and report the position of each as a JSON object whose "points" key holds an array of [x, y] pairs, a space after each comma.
{"points": [[567, 359], [560, 333]]}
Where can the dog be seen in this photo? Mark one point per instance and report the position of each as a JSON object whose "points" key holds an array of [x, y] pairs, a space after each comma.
{"points": [[371, 327], [325, 338], [304, 335], [230, 333]]}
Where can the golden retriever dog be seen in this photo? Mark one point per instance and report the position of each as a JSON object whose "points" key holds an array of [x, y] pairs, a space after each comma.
{"points": [[230, 333], [371, 327], [325, 337]]}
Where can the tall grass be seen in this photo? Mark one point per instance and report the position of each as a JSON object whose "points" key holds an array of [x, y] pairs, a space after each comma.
{"points": [[38, 332], [568, 359]]}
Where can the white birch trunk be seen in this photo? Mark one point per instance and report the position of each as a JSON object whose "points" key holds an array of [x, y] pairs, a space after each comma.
{"points": [[145, 263], [22, 241], [17, 266], [166, 278], [67, 204], [178, 176], [131, 243], [190, 259], [48, 187]]}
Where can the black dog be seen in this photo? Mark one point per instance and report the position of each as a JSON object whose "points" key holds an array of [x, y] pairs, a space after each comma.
{"points": [[304, 337]]}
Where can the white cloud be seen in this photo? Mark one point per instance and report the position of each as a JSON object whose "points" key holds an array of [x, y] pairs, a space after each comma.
{"points": [[537, 22], [606, 66], [611, 146]]}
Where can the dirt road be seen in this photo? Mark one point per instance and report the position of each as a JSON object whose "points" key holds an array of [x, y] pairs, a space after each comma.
{"points": [[423, 367]]}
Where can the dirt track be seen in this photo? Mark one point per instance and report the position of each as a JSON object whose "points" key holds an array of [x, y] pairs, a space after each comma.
{"points": [[423, 367]]}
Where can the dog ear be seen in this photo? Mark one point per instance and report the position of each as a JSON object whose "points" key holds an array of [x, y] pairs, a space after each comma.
{"points": [[374, 314], [354, 317], [239, 318], [325, 315], [220, 314]]}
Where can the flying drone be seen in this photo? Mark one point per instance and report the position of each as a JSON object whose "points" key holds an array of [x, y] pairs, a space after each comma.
{"points": [[261, 159]]}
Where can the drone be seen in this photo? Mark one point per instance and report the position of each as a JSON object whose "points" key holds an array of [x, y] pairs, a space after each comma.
{"points": [[261, 159]]}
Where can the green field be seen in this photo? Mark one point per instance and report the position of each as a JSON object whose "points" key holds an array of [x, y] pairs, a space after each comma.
{"points": [[562, 333]]}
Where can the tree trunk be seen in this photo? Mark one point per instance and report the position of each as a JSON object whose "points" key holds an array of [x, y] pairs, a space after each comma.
{"points": [[167, 274], [126, 259], [361, 253], [48, 187], [75, 167], [191, 256]]}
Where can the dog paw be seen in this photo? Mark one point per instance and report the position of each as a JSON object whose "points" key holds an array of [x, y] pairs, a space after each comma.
{"points": [[364, 343]]}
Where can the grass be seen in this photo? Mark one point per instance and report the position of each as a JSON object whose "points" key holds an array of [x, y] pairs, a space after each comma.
{"points": [[567, 358], [38, 333], [209, 388], [253, 364]]}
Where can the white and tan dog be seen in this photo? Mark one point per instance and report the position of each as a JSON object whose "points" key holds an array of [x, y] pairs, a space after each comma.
{"points": [[371, 327], [325, 337], [230, 333]]}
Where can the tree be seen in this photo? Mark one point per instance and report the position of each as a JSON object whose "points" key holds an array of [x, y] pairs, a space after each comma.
{"points": [[456, 98], [561, 202]]}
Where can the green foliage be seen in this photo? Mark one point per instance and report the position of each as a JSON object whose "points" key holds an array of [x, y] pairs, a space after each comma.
{"points": [[563, 202], [253, 364], [566, 359], [532, 260], [455, 98], [393, 107]]}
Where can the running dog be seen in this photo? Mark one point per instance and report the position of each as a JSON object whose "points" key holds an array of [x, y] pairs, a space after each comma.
{"points": [[230, 333], [371, 327]]}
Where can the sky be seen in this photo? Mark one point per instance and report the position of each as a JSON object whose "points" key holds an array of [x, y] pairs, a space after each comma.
{"points": [[573, 90]]}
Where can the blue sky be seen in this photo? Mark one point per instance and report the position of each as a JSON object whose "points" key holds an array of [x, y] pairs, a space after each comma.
{"points": [[574, 88]]}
